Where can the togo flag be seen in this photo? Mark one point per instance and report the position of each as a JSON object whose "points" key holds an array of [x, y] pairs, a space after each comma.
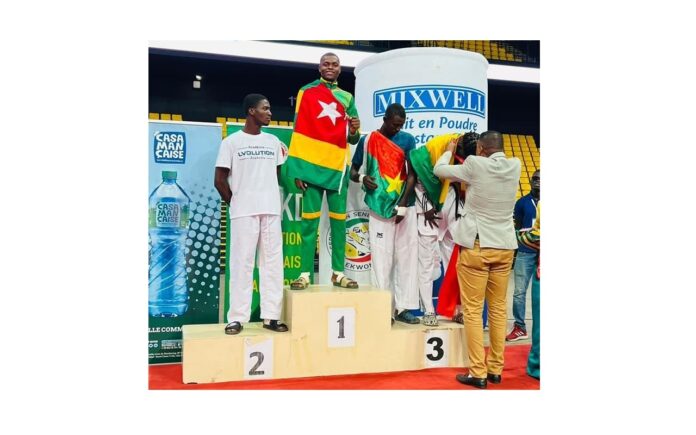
{"points": [[386, 164], [318, 146], [423, 161]]}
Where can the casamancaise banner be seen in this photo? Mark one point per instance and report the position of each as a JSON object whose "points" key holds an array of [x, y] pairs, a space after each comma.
{"points": [[183, 233]]}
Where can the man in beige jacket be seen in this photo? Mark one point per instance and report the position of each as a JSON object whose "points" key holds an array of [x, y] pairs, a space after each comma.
{"points": [[486, 236]]}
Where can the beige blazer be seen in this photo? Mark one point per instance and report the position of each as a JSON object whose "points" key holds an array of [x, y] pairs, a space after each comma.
{"points": [[490, 199]]}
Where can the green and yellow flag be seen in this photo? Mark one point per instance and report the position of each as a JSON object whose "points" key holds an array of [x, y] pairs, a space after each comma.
{"points": [[423, 161], [386, 163]]}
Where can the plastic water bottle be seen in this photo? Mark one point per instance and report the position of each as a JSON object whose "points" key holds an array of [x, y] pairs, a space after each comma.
{"points": [[168, 222]]}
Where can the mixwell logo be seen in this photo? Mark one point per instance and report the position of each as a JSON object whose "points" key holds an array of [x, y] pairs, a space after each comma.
{"points": [[170, 147], [431, 98]]}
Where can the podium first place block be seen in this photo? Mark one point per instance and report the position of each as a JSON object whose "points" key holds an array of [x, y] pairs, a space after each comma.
{"points": [[333, 331]]}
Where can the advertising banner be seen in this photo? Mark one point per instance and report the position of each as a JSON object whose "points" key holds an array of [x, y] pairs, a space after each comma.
{"points": [[183, 233], [291, 218], [443, 90]]}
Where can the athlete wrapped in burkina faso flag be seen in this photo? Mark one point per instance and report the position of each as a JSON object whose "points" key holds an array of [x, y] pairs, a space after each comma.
{"points": [[386, 164], [388, 183], [318, 159]]}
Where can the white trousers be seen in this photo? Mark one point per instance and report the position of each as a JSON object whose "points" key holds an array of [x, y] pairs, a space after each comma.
{"points": [[428, 258], [246, 234], [447, 223], [395, 258], [428, 261]]}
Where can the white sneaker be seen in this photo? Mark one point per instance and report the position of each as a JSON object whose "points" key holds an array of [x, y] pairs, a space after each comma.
{"points": [[430, 319]]}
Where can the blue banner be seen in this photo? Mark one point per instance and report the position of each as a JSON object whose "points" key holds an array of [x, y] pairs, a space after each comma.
{"points": [[183, 233]]}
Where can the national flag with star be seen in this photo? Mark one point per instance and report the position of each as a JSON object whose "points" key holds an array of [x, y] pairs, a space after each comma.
{"points": [[318, 147], [386, 163], [423, 161]]}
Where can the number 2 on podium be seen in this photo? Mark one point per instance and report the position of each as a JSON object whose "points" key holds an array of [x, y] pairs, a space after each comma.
{"points": [[258, 359]]}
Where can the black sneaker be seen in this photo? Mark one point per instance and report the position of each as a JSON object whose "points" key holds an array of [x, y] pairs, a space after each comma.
{"points": [[406, 317], [275, 326], [233, 328]]}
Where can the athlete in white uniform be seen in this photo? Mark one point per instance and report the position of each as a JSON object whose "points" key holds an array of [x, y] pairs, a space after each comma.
{"points": [[435, 241], [454, 202], [246, 178], [392, 234], [428, 255]]}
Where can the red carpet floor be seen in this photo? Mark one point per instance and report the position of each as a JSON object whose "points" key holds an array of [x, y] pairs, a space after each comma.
{"points": [[168, 377]]}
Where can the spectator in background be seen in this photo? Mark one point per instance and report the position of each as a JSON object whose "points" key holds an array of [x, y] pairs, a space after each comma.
{"points": [[531, 239], [526, 259]]}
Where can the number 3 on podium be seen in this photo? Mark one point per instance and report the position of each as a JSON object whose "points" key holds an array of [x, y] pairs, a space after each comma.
{"points": [[437, 348]]}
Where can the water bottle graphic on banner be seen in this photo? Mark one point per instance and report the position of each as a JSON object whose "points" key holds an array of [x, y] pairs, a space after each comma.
{"points": [[168, 227]]}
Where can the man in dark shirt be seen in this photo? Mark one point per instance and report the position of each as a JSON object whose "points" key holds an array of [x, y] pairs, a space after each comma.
{"points": [[526, 259]]}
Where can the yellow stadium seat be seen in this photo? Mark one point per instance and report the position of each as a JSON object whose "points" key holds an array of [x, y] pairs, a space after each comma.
{"points": [[166, 116], [220, 119], [153, 116], [177, 118]]}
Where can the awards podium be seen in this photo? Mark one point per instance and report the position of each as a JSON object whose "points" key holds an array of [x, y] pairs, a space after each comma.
{"points": [[332, 331]]}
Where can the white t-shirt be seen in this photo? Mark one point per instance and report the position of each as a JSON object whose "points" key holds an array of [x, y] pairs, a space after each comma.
{"points": [[252, 161]]}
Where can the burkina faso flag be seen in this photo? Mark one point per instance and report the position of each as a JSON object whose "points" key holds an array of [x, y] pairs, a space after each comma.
{"points": [[423, 161], [386, 163], [318, 146]]}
